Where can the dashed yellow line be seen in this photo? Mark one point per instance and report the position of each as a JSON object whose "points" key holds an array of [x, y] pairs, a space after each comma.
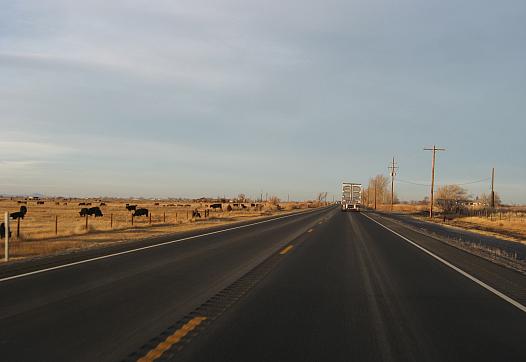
{"points": [[286, 250], [171, 340]]}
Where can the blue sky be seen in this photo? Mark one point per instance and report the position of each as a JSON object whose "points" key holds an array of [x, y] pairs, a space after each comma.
{"points": [[192, 98]]}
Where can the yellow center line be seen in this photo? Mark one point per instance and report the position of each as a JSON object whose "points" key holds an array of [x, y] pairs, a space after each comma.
{"points": [[286, 250], [171, 340]]}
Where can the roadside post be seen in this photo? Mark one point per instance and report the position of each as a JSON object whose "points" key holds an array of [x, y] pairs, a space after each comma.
{"points": [[6, 245], [56, 224]]}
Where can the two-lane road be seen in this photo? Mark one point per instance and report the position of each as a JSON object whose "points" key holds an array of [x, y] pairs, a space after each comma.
{"points": [[105, 309], [355, 291], [323, 286]]}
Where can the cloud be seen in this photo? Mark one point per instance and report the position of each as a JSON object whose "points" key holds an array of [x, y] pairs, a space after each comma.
{"points": [[105, 94]]}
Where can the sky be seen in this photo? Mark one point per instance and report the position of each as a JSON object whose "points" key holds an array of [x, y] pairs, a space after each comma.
{"points": [[207, 98]]}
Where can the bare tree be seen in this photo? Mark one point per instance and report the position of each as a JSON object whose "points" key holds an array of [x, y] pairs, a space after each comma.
{"points": [[449, 195], [379, 189], [486, 199], [322, 197], [274, 200]]}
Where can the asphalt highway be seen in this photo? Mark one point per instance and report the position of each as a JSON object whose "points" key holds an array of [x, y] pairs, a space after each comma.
{"points": [[317, 286]]}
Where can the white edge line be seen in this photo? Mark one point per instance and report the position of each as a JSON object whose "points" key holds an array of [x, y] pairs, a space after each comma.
{"points": [[457, 269], [62, 266]]}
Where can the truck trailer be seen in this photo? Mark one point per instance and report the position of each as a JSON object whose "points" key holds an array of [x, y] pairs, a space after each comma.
{"points": [[351, 196]]}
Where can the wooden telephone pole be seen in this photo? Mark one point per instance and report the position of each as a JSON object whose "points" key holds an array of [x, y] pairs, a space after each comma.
{"points": [[493, 188], [431, 200], [375, 182], [393, 169]]}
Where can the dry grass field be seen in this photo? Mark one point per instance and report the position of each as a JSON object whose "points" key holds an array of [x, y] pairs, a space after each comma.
{"points": [[507, 223], [56, 225], [510, 226], [403, 208]]}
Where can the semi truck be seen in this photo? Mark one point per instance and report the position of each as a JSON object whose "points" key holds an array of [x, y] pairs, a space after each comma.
{"points": [[351, 196]]}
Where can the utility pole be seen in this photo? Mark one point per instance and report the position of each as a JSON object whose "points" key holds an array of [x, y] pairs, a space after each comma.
{"points": [[493, 188], [393, 169], [434, 149], [375, 194]]}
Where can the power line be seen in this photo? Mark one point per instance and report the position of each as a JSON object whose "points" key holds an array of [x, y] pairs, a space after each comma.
{"points": [[442, 184]]}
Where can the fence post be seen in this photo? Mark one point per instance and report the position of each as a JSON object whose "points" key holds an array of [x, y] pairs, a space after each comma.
{"points": [[18, 228], [186, 214], [56, 225], [86, 221], [150, 218], [176, 217], [164, 217], [6, 245], [111, 221]]}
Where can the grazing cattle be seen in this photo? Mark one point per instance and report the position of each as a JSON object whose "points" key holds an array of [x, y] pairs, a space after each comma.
{"points": [[88, 203], [82, 204], [216, 206], [65, 204], [40, 202], [187, 205], [22, 202], [196, 213], [95, 211], [131, 207], [102, 204], [140, 212], [2, 231], [252, 205], [92, 211], [235, 205], [156, 204], [243, 206], [19, 214]]}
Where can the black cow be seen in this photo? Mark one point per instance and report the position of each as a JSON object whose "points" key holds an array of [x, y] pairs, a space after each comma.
{"points": [[88, 203], [19, 214], [131, 207], [216, 206], [82, 204], [156, 204], [40, 202], [2, 231], [243, 206], [22, 202], [252, 205], [102, 204], [140, 212], [196, 213], [92, 211]]}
